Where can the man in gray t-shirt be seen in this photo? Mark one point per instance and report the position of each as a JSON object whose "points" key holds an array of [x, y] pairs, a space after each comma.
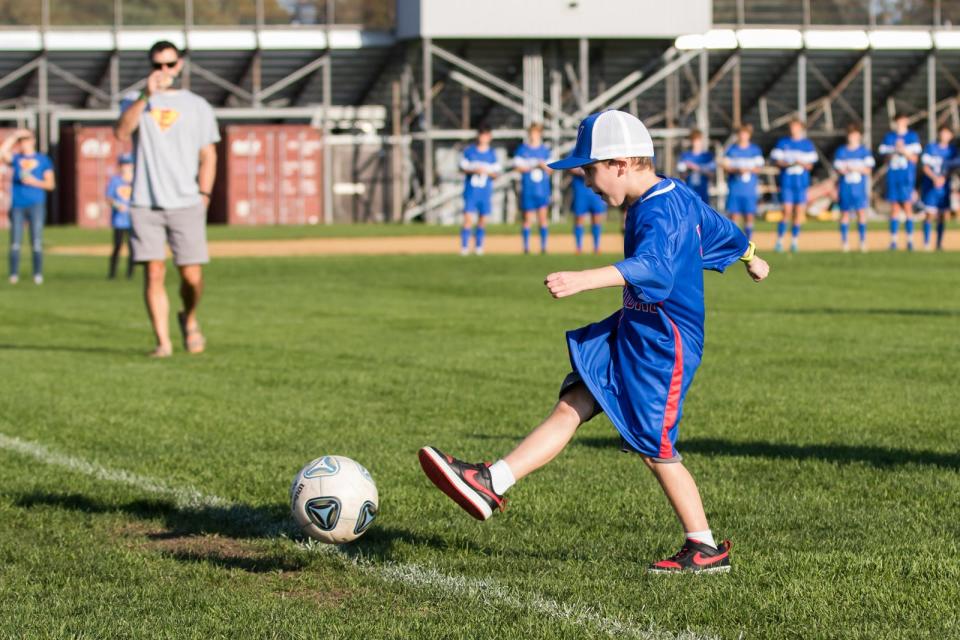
{"points": [[174, 133]]}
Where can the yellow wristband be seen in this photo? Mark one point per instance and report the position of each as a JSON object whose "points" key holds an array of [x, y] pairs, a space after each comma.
{"points": [[751, 252]]}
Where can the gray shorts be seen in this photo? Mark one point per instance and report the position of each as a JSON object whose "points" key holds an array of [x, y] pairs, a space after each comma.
{"points": [[184, 229], [573, 379]]}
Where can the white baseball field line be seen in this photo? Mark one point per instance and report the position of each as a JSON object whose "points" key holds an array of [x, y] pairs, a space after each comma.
{"points": [[487, 592]]}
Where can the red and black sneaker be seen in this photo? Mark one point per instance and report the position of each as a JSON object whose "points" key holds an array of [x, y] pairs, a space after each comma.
{"points": [[696, 557], [469, 485]]}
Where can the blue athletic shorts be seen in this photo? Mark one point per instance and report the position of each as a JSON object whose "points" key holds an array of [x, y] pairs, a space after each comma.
{"points": [[741, 203], [793, 195], [588, 203], [899, 192], [534, 201], [852, 201], [935, 200], [478, 204]]}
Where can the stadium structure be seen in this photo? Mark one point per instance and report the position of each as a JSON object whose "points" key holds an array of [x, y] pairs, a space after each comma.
{"points": [[396, 99]]}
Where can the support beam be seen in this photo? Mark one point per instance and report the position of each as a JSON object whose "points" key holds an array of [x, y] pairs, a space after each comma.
{"points": [[837, 90], [802, 87], [584, 59], [703, 106], [296, 76], [486, 92], [737, 99], [732, 63], [213, 78], [427, 81], [932, 95], [43, 95], [868, 100], [77, 82], [396, 157], [327, 102], [663, 72], [13, 76]]}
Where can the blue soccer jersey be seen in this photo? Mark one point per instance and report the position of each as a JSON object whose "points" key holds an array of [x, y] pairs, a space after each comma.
{"points": [[534, 182], [794, 177], [119, 190], [478, 187], [742, 181], [639, 362], [699, 180], [33, 165], [853, 183], [585, 199], [939, 160], [901, 171]]}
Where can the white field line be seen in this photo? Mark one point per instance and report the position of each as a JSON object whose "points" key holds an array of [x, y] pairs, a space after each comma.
{"points": [[487, 592]]}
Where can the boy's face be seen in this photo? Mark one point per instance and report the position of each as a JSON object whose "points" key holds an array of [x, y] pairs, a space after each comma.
{"points": [[696, 143], [901, 125], [796, 130], [535, 137], [126, 171], [743, 138], [28, 144], [484, 138], [946, 137], [606, 179], [854, 138]]}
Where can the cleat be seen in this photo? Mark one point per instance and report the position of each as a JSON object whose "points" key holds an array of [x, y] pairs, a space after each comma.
{"points": [[863, 248], [464, 251], [696, 557], [38, 279], [846, 248], [778, 248], [467, 484], [479, 251], [14, 279], [893, 246]]}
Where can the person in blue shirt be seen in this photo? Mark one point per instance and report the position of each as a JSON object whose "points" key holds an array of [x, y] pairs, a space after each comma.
{"points": [[939, 159], [530, 161], [697, 166], [118, 193], [637, 364], [854, 163], [586, 202], [33, 178], [743, 160], [795, 155], [901, 148], [480, 166]]}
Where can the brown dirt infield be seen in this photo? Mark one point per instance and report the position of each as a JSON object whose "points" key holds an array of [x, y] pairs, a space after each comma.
{"points": [[560, 243]]}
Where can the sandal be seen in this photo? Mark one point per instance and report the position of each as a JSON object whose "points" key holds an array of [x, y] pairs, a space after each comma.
{"points": [[193, 340]]}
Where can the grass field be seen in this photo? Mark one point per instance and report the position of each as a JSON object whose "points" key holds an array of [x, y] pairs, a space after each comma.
{"points": [[149, 498]]}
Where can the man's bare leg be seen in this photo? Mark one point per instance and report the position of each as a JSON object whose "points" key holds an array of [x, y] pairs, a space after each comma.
{"points": [[158, 305], [191, 289]]}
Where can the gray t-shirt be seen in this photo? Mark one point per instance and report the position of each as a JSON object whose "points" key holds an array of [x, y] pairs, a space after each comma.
{"points": [[173, 128]]}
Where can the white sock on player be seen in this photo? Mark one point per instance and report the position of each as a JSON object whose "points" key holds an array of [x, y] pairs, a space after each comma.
{"points": [[501, 477], [706, 537]]}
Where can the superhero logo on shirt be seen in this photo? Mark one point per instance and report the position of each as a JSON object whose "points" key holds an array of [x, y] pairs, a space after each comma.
{"points": [[165, 118], [124, 191], [28, 164]]}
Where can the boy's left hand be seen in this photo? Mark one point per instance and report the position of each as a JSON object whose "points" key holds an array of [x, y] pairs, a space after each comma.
{"points": [[565, 283], [758, 268]]}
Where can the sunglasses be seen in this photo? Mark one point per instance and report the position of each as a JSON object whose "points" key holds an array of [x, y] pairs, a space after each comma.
{"points": [[165, 65]]}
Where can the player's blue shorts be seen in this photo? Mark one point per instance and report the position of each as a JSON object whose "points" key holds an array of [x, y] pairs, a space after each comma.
{"points": [[793, 194], [533, 201], [741, 202], [588, 203], [852, 201], [899, 192], [935, 200], [477, 203]]}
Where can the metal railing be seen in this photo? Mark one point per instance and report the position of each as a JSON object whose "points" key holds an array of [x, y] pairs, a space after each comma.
{"points": [[861, 13]]}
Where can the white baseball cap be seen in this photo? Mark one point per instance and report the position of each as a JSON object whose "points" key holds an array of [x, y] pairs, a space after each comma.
{"points": [[607, 135]]}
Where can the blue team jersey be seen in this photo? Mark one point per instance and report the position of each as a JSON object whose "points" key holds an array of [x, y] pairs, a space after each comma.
{"points": [[34, 165], [938, 159], [900, 170], [118, 189], [534, 182], [852, 185], [639, 362], [699, 181], [585, 199], [796, 154], [743, 159], [478, 185]]}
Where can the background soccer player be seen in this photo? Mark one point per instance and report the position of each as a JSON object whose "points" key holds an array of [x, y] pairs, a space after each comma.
{"points": [[697, 166], [118, 193], [174, 133], [479, 165], [938, 160], [32, 179], [531, 161], [586, 202], [901, 148], [854, 163], [795, 155], [743, 161]]}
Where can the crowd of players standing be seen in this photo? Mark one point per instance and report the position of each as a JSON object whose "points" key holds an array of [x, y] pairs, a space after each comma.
{"points": [[794, 155]]}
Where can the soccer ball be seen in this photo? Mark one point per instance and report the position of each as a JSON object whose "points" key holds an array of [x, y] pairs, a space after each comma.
{"points": [[334, 499]]}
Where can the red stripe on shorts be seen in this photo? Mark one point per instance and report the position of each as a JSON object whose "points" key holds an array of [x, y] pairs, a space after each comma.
{"points": [[673, 396]]}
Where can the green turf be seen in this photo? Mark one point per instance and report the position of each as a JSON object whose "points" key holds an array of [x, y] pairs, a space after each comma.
{"points": [[822, 428]]}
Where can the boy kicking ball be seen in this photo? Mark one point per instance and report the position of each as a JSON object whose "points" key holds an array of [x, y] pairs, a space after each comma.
{"points": [[637, 364]]}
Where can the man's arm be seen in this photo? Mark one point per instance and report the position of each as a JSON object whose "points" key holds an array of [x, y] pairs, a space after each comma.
{"points": [[207, 172], [130, 119], [6, 149]]}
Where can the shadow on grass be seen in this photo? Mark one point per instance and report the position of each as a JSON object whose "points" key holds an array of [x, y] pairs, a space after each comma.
{"points": [[69, 349], [881, 457], [830, 311]]}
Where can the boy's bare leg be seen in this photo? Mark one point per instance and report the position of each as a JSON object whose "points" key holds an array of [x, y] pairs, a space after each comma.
{"points": [[681, 491], [158, 306], [546, 441]]}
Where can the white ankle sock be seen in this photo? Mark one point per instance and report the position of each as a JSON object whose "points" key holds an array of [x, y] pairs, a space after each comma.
{"points": [[706, 537], [501, 477]]}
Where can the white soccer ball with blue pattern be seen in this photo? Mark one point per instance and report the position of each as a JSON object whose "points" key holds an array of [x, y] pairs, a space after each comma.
{"points": [[334, 499]]}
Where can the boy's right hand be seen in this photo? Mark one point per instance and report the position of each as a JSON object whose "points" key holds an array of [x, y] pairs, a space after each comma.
{"points": [[758, 268]]}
